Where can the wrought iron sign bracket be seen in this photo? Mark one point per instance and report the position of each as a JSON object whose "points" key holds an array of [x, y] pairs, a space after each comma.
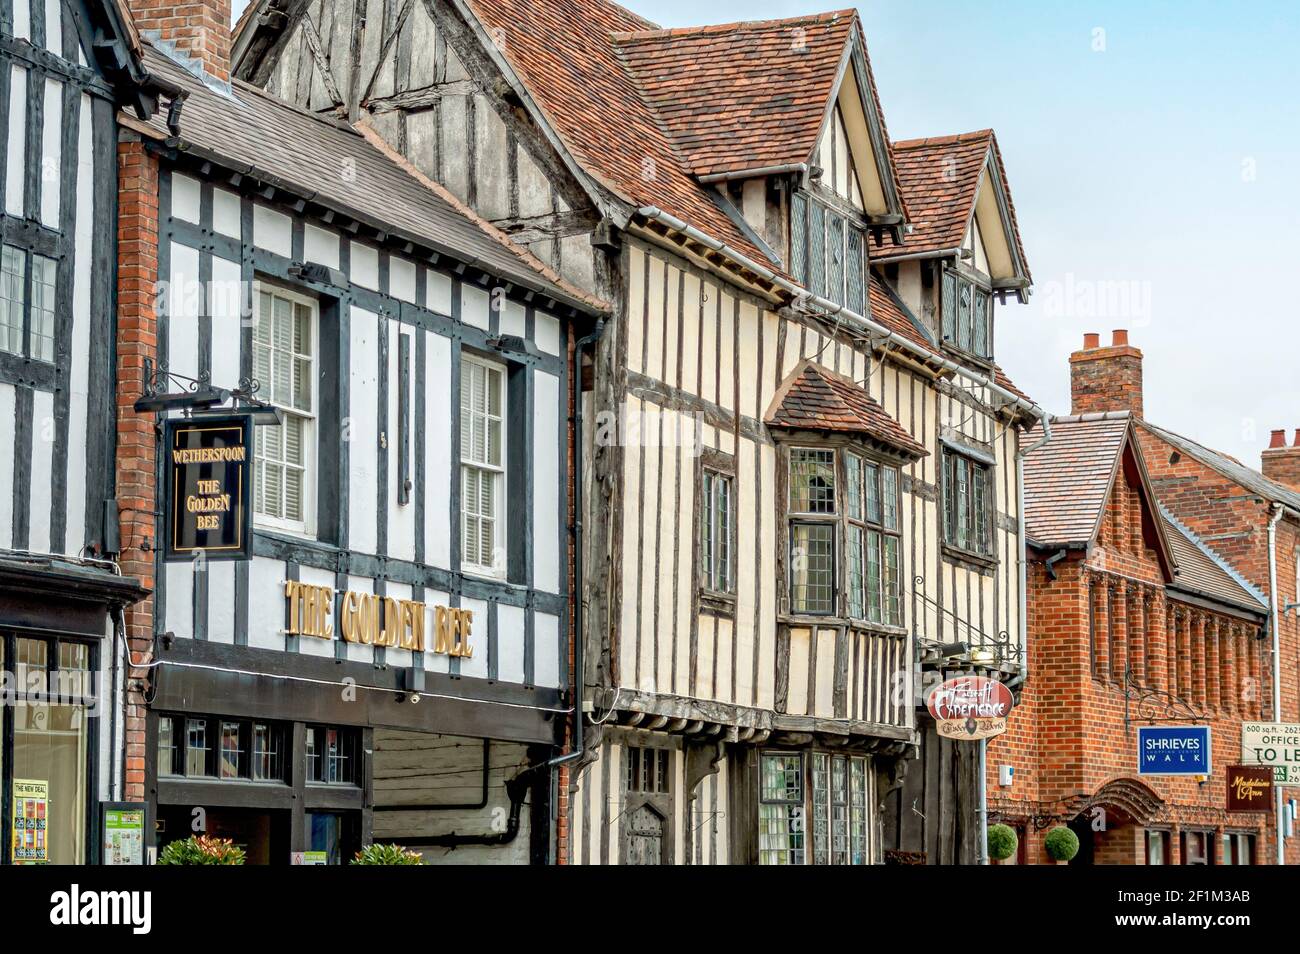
{"points": [[1147, 706], [199, 396]]}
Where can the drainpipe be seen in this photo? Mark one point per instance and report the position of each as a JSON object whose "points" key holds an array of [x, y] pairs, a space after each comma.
{"points": [[1276, 618], [579, 677]]}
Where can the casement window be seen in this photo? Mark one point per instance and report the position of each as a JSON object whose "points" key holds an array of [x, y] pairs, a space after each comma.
{"points": [[482, 459], [865, 514], [717, 506], [967, 315], [27, 315], [828, 253], [813, 809], [207, 747], [967, 503], [647, 805], [285, 333], [332, 755]]}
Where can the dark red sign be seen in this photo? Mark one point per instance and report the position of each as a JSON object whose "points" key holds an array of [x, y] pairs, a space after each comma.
{"points": [[969, 697], [1250, 788]]}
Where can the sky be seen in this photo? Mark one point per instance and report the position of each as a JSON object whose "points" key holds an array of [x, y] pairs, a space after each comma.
{"points": [[1152, 150]]}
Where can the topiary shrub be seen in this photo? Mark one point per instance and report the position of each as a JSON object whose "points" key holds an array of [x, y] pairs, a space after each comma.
{"points": [[387, 855], [1061, 843], [1002, 842], [202, 850]]}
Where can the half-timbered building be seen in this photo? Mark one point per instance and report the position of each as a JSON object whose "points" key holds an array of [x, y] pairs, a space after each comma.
{"points": [[795, 484], [391, 662], [65, 68]]}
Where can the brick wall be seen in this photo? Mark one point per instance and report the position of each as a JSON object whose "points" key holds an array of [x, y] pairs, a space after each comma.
{"points": [[1282, 463], [137, 329], [200, 28], [1104, 614]]}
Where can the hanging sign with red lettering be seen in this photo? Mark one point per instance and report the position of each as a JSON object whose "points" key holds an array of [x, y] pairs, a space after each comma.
{"points": [[970, 707], [209, 482]]}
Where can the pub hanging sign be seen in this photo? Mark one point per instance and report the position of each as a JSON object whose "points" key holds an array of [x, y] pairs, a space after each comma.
{"points": [[209, 481]]}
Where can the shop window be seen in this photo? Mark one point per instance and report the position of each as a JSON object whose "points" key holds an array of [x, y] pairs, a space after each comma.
{"points": [[866, 511], [206, 747], [284, 357], [483, 466], [717, 523], [331, 755], [967, 503], [781, 810], [47, 728], [1158, 845], [27, 303]]}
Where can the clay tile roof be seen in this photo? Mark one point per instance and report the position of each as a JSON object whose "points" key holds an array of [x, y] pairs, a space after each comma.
{"points": [[939, 178], [566, 56], [815, 398], [741, 95], [1202, 571], [1068, 479]]}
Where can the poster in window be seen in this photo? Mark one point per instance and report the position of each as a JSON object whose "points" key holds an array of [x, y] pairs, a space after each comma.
{"points": [[123, 833], [209, 477], [30, 838]]}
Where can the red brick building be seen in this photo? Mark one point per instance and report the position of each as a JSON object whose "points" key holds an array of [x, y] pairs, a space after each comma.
{"points": [[1149, 603]]}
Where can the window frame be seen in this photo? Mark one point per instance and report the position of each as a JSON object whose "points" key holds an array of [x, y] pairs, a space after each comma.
{"points": [[816, 276], [500, 539], [811, 808], [307, 527], [845, 529], [27, 326], [281, 733], [710, 476], [949, 460], [950, 331]]}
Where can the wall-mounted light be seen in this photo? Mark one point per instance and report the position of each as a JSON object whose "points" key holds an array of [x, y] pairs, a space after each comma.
{"points": [[514, 344]]}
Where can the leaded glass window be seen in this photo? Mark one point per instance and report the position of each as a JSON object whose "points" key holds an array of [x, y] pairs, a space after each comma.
{"points": [[968, 504], [966, 314], [781, 810], [716, 519]]}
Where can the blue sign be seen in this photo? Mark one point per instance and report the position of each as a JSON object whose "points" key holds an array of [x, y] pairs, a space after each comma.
{"points": [[1174, 750]]}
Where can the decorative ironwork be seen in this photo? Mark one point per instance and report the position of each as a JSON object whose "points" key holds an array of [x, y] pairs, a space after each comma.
{"points": [[198, 394], [1148, 706], [1003, 649]]}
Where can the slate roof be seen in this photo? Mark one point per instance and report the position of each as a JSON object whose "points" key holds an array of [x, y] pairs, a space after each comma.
{"points": [[304, 153], [813, 397], [940, 178], [1229, 467], [1202, 571], [1068, 479], [741, 95]]}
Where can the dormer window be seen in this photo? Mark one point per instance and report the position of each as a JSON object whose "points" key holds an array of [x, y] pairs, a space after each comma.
{"points": [[828, 253], [967, 310]]}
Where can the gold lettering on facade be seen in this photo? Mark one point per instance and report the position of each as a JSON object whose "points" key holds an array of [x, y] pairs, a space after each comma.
{"points": [[309, 609], [375, 620]]}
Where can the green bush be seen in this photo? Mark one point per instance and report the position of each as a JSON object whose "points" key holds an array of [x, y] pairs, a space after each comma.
{"points": [[1002, 842], [1062, 844], [202, 850], [387, 855]]}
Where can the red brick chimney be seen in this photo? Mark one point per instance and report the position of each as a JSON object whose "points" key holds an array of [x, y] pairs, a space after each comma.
{"points": [[1282, 463], [1106, 379], [197, 28]]}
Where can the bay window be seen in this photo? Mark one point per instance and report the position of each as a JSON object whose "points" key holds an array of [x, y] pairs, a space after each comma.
{"points": [[284, 356], [482, 458], [865, 514], [967, 314]]}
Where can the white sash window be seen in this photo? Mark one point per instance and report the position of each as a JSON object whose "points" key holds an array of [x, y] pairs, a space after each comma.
{"points": [[482, 458]]}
